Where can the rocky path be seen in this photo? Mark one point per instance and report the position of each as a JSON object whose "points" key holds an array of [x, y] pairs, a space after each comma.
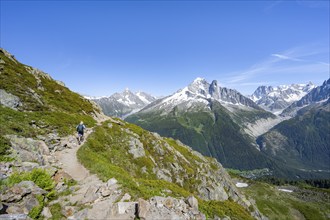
{"points": [[68, 159]]}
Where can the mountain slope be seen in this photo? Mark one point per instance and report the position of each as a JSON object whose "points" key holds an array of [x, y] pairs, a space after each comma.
{"points": [[276, 99], [38, 116], [302, 142], [123, 104], [196, 116]]}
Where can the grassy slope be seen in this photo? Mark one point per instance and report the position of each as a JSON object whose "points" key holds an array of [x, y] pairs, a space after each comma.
{"points": [[105, 154], [311, 203], [57, 110]]}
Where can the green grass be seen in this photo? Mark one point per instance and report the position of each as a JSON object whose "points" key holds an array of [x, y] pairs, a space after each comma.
{"points": [[277, 205], [55, 209], [105, 153], [20, 123], [226, 208], [15, 79]]}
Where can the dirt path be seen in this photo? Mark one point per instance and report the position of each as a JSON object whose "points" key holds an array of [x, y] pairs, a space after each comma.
{"points": [[69, 162], [68, 158]]}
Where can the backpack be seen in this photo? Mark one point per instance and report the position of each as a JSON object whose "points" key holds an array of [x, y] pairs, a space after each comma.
{"points": [[80, 128]]}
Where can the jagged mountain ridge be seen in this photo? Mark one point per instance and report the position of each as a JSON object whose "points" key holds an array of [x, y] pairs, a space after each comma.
{"points": [[209, 118], [38, 117], [201, 91], [318, 94], [276, 99], [123, 104]]}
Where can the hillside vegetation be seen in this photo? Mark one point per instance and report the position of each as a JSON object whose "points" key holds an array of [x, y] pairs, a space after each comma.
{"points": [[148, 165], [287, 201], [35, 104], [303, 142], [211, 132]]}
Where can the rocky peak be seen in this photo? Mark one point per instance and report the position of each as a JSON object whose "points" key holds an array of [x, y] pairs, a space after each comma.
{"points": [[317, 94], [214, 90], [276, 99]]}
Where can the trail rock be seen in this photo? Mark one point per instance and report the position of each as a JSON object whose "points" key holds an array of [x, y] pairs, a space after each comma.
{"points": [[143, 209], [125, 198], [60, 176], [68, 211], [121, 208], [91, 194]]}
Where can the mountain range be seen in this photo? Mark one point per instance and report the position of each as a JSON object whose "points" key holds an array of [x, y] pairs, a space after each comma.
{"points": [[123, 104], [209, 118], [224, 124], [276, 99], [139, 173], [133, 173]]}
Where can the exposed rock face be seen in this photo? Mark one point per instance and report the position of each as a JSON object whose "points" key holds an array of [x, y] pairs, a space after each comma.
{"points": [[21, 198], [9, 100], [28, 149], [136, 148]]}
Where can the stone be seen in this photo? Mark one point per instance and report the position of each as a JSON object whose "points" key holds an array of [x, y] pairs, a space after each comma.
{"points": [[143, 208], [15, 194], [14, 216], [46, 213], [126, 198], [80, 215], [30, 203], [105, 191], [121, 208], [192, 202], [169, 202], [60, 176], [28, 149], [68, 211], [136, 148], [14, 210], [200, 216], [91, 194], [100, 210], [9, 100], [164, 174], [111, 182]]}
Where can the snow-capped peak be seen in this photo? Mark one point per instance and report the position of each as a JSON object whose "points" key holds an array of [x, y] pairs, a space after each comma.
{"points": [[200, 91], [276, 99]]}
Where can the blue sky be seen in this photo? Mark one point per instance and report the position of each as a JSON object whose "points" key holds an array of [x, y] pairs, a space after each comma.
{"points": [[101, 47]]}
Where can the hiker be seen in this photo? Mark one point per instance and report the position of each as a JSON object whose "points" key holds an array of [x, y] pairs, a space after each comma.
{"points": [[80, 129]]}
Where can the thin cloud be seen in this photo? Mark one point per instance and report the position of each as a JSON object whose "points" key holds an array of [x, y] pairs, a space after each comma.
{"points": [[285, 57], [283, 63]]}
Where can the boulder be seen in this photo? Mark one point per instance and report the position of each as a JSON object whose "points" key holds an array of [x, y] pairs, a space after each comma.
{"points": [[136, 148], [28, 149], [9, 100], [192, 202]]}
